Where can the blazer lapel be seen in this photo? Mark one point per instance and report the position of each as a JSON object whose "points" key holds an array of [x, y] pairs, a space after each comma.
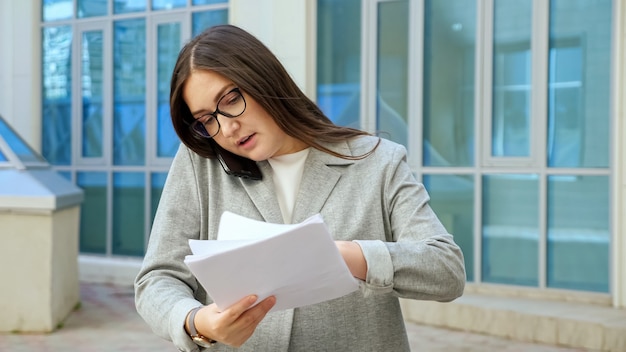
{"points": [[263, 195], [318, 180]]}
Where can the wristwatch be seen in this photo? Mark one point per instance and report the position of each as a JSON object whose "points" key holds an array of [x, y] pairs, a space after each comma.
{"points": [[198, 339]]}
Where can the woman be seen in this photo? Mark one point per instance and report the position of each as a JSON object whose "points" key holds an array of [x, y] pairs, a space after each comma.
{"points": [[231, 99]]}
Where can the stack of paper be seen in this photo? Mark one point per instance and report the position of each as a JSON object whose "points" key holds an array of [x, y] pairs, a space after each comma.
{"points": [[298, 264]]}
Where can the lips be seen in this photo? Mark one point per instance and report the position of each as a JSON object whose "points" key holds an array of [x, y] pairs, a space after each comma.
{"points": [[244, 140]]}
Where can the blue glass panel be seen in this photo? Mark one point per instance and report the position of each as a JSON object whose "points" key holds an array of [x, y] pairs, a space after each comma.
{"points": [[91, 8], [17, 145], [208, 2], [511, 78], [578, 232], [129, 92], [452, 198], [579, 83], [57, 94], [93, 212], [157, 181], [205, 19], [168, 46], [53, 10], [449, 50], [339, 60], [392, 70], [510, 229], [168, 4], [92, 93], [2, 157], [127, 6], [129, 205]]}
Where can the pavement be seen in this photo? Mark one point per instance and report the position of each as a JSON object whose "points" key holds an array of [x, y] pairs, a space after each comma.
{"points": [[108, 322]]}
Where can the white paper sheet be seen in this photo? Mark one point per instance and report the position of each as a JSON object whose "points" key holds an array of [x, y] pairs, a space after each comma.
{"points": [[299, 263]]}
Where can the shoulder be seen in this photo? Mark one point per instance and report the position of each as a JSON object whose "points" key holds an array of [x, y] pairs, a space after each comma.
{"points": [[385, 148]]}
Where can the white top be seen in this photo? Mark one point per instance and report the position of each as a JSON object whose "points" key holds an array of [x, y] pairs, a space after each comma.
{"points": [[287, 176]]}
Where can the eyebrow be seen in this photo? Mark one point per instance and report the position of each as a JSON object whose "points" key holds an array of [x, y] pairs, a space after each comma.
{"points": [[227, 88]]}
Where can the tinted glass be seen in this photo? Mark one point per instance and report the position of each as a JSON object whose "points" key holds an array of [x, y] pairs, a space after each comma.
{"points": [[449, 49], [205, 19], [129, 208], [512, 26], [168, 46], [168, 4], [339, 60], [90, 8], [92, 94], [57, 94], [129, 92], [53, 10], [510, 229], [207, 2], [578, 232], [17, 144], [126, 6], [93, 212]]}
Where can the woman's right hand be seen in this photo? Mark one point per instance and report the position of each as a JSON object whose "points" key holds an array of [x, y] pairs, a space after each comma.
{"points": [[234, 325]]}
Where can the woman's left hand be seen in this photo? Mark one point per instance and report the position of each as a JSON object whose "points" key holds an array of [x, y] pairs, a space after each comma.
{"points": [[353, 256]]}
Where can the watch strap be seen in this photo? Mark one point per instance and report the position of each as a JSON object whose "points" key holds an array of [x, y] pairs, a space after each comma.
{"points": [[193, 332]]}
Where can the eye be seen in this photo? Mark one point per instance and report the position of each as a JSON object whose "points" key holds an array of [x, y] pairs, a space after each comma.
{"points": [[232, 98], [206, 119]]}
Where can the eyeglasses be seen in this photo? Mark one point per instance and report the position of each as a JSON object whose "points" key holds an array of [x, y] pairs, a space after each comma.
{"points": [[231, 104]]}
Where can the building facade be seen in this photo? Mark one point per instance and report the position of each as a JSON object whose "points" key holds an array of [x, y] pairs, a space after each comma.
{"points": [[512, 113]]}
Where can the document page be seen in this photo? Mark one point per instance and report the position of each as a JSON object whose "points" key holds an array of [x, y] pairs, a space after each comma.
{"points": [[299, 263]]}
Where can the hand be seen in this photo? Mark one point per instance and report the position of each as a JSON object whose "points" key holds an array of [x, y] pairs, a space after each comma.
{"points": [[353, 256], [235, 325]]}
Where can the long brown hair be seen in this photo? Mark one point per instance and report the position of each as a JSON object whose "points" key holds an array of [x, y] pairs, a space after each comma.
{"points": [[251, 66]]}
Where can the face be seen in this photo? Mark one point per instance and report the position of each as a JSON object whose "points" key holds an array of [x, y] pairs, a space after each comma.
{"points": [[254, 134]]}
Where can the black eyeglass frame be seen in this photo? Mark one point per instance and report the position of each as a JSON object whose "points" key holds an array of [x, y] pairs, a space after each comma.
{"points": [[197, 126]]}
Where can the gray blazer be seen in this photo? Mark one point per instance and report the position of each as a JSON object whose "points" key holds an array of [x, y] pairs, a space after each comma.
{"points": [[375, 201]]}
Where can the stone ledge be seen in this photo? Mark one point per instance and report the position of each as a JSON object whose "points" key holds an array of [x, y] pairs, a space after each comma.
{"points": [[577, 325]]}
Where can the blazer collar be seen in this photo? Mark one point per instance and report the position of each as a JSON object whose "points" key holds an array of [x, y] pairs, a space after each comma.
{"points": [[318, 180]]}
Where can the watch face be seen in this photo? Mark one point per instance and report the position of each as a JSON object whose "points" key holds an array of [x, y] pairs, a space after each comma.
{"points": [[202, 341]]}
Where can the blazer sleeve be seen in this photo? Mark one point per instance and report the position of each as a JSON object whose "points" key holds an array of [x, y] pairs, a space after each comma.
{"points": [[419, 258], [164, 287]]}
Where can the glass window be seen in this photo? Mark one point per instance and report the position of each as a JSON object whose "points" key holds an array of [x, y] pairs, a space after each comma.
{"points": [[53, 10], [129, 92], [339, 60], [205, 19], [392, 70], [127, 6], [168, 46], [93, 212], [57, 94], [579, 83], [91, 8], [2, 157], [128, 213], [449, 49], [511, 78], [578, 232], [510, 225], [92, 94], [167, 4], [452, 199]]}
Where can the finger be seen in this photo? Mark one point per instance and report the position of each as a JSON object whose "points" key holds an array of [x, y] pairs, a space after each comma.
{"points": [[253, 316], [236, 310]]}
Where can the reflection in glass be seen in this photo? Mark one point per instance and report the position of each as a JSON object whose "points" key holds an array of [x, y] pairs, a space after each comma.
{"points": [[168, 45], [449, 48], [54, 10], [128, 213], [92, 94], [392, 70], [205, 19], [511, 78], [57, 94], [129, 92], [90, 8], [127, 6], [22, 150], [207, 2], [93, 212], [578, 232], [510, 229], [339, 60], [579, 83], [168, 4], [452, 199]]}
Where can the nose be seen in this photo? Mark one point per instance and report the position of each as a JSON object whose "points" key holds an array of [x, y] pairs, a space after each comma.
{"points": [[228, 126]]}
